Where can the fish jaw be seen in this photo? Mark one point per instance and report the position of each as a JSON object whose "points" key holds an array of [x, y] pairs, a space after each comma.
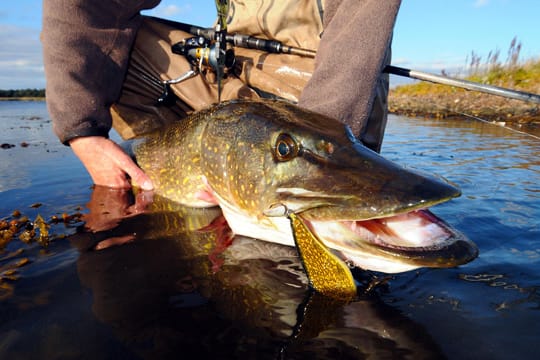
{"points": [[276, 229], [390, 244], [397, 243]]}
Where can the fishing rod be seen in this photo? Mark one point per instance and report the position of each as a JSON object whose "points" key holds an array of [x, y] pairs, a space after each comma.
{"points": [[277, 47], [465, 84], [240, 40]]}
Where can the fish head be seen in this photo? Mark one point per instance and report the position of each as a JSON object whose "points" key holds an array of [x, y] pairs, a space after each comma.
{"points": [[267, 159]]}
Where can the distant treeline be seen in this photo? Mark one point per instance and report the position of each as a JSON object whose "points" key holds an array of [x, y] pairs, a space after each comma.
{"points": [[22, 93]]}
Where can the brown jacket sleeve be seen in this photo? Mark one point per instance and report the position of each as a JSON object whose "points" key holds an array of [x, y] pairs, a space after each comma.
{"points": [[86, 47], [350, 58]]}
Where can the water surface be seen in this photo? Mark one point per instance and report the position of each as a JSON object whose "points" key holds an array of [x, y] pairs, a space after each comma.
{"points": [[172, 290]]}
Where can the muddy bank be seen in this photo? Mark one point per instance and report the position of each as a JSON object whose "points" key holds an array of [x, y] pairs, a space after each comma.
{"points": [[456, 102]]}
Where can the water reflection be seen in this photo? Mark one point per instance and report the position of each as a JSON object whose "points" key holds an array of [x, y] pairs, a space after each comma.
{"points": [[168, 280]]}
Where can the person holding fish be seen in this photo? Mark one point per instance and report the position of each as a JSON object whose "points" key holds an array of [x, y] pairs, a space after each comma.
{"points": [[87, 44]]}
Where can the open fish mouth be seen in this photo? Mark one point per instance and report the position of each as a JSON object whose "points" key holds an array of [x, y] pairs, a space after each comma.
{"points": [[396, 243]]}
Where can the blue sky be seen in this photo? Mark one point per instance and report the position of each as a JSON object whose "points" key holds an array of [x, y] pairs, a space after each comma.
{"points": [[430, 35]]}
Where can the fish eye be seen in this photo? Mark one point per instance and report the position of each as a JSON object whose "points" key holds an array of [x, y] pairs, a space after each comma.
{"points": [[285, 148]]}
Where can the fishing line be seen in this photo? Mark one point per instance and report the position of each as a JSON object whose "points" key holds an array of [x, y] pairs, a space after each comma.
{"points": [[494, 123], [445, 108]]}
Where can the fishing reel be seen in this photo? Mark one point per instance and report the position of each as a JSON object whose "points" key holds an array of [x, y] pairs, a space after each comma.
{"points": [[202, 53]]}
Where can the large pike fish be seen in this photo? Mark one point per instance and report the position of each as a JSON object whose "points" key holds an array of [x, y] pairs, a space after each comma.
{"points": [[263, 161]]}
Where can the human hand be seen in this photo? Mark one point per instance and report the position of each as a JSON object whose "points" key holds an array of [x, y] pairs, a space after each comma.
{"points": [[108, 207], [108, 164]]}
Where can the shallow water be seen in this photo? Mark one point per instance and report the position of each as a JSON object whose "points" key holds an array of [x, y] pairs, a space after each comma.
{"points": [[171, 290]]}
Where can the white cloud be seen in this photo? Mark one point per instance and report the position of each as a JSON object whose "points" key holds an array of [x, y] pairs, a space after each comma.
{"points": [[401, 61], [451, 65], [480, 3], [21, 62], [170, 11], [173, 10]]}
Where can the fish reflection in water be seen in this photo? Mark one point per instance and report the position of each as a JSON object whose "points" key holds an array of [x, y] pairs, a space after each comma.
{"points": [[178, 285]]}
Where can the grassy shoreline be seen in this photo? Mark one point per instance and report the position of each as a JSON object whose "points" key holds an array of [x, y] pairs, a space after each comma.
{"points": [[426, 99]]}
